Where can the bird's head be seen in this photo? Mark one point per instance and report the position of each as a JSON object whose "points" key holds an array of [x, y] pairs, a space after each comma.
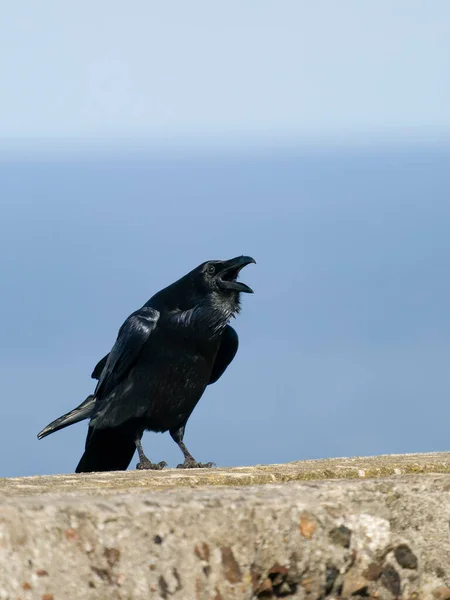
{"points": [[219, 280], [213, 283], [221, 276]]}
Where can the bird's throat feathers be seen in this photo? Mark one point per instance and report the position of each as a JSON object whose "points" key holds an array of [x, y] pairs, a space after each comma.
{"points": [[211, 314], [192, 303]]}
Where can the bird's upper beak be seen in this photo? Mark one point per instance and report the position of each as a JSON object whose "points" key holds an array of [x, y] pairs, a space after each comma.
{"points": [[227, 276]]}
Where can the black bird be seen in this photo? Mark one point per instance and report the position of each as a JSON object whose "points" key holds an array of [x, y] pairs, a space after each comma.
{"points": [[165, 355]]}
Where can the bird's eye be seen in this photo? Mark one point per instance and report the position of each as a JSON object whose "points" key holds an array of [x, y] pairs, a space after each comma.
{"points": [[211, 269]]}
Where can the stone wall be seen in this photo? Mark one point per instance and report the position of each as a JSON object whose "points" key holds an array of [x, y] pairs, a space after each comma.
{"points": [[341, 528]]}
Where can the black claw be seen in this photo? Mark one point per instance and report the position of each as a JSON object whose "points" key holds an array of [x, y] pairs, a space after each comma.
{"points": [[193, 464], [148, 465]]}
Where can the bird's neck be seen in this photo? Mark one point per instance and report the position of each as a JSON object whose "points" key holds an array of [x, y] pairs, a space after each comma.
{"points": [[210, 316]]}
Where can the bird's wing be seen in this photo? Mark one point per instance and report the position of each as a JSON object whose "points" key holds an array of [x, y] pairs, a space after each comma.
{"points": [[131, 338], [227, 351], [96, 373]]}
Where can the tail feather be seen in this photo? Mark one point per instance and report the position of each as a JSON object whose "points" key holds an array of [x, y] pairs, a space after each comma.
{"points": [[108, 449], [84, 411]]}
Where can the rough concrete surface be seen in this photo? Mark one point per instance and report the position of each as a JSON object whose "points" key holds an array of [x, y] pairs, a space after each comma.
{"points": [[134, 535], [304, 470]]}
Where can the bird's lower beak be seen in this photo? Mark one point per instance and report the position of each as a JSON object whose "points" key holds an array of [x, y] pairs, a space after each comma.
{"points": [[227, 277]]}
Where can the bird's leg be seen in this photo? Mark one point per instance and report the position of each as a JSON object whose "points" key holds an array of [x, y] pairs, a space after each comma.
{"points": [[189, 460], [144, 462]]}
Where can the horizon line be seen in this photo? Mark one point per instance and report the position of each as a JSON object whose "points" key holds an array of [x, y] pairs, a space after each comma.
{"points": [[110, 147]]}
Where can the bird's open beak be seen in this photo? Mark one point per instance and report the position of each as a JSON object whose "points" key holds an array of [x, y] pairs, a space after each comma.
{"points": [[227, 276]]}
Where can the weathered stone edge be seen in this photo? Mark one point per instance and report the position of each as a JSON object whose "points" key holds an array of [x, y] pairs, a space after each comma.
{"points": [[310, 470]]}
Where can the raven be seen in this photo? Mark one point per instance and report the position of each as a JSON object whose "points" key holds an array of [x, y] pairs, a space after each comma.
{"points": [[165, 355]]}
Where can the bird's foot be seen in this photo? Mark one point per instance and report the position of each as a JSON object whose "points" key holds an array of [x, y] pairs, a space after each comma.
{"points": [[190, 463], [147, 464]]}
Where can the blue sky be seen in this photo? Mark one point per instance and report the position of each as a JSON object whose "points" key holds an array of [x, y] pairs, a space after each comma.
{"points": [[205, 72], [137, 142]]}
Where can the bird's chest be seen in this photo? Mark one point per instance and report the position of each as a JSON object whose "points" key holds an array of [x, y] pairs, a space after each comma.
{"points": [[177, 378], [184, 357], [192, 355], [190, 337]]}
